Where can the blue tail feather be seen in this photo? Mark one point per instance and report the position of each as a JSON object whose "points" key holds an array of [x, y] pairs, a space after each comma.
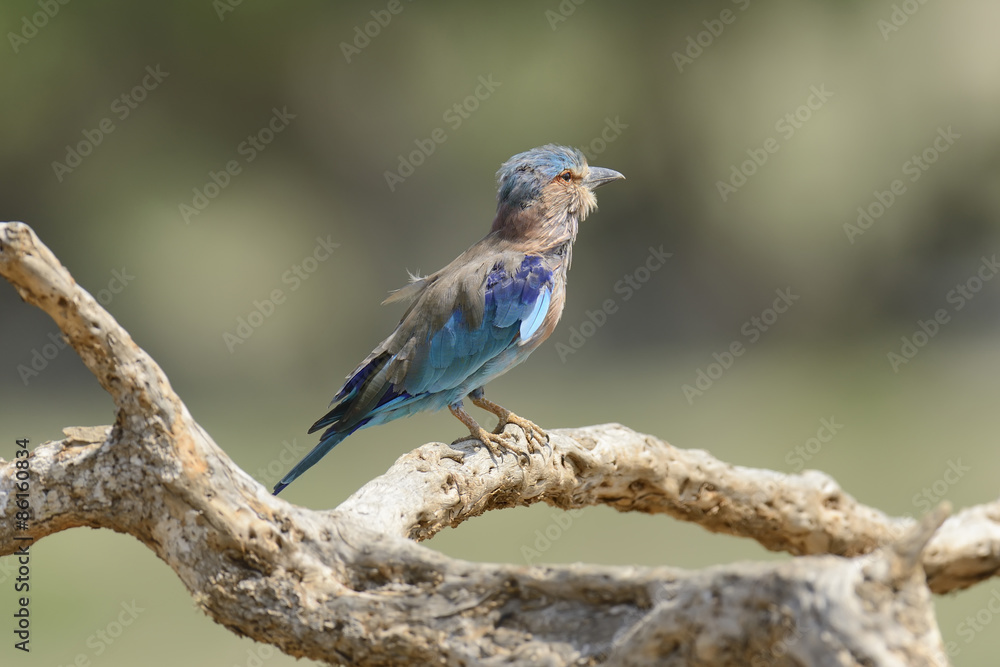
{"points": [[329, 441]]}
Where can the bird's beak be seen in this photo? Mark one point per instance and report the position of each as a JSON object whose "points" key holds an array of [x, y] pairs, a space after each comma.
{"points": [[598, 176]]}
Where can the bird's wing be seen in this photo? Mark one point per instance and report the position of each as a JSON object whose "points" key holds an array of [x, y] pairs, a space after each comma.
{"points": [[513, 301], [460, 318]]}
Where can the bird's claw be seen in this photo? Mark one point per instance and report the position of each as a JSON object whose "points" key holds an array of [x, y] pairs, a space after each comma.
{"points": [[533, 433], [492, 441]]}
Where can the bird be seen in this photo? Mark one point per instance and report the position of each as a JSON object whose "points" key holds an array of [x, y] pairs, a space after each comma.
{"points": [[479, 316]]}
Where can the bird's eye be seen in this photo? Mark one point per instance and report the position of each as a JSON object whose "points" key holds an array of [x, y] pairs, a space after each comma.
{"points": [[566, 176]]}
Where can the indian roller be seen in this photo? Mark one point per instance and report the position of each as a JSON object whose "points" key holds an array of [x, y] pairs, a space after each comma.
{"points": [[481, 315]]}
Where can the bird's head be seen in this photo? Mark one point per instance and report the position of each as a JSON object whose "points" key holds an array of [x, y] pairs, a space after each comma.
{"points": [[547, 186]]}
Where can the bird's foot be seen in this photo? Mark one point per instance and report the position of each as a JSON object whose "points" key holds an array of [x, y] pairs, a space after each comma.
{"points": [[494, 442], [533, 433]]}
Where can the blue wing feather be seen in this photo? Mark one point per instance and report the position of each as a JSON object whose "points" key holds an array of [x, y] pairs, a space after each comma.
{"points": [[530, 324], [443, 347], [504, 297], [511, 300]]}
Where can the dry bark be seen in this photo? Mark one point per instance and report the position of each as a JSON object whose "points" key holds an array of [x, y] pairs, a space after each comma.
{"points": [[351, 585]]}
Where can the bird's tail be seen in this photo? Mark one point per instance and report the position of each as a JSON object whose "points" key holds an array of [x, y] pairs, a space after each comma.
{"points": [[329, 441]]}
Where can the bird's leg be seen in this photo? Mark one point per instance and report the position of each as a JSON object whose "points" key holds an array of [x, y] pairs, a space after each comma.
{"points": [[492, 441], [532, 431]]}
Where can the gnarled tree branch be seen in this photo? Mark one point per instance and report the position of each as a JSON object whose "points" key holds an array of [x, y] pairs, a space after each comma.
{"points": [[350, 584]]}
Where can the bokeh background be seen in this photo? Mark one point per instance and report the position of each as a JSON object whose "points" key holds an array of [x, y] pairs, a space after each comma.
{"points": [[673, 95]]}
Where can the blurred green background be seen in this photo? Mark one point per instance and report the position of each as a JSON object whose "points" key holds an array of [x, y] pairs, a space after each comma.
{"points": [[673, 95]]}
